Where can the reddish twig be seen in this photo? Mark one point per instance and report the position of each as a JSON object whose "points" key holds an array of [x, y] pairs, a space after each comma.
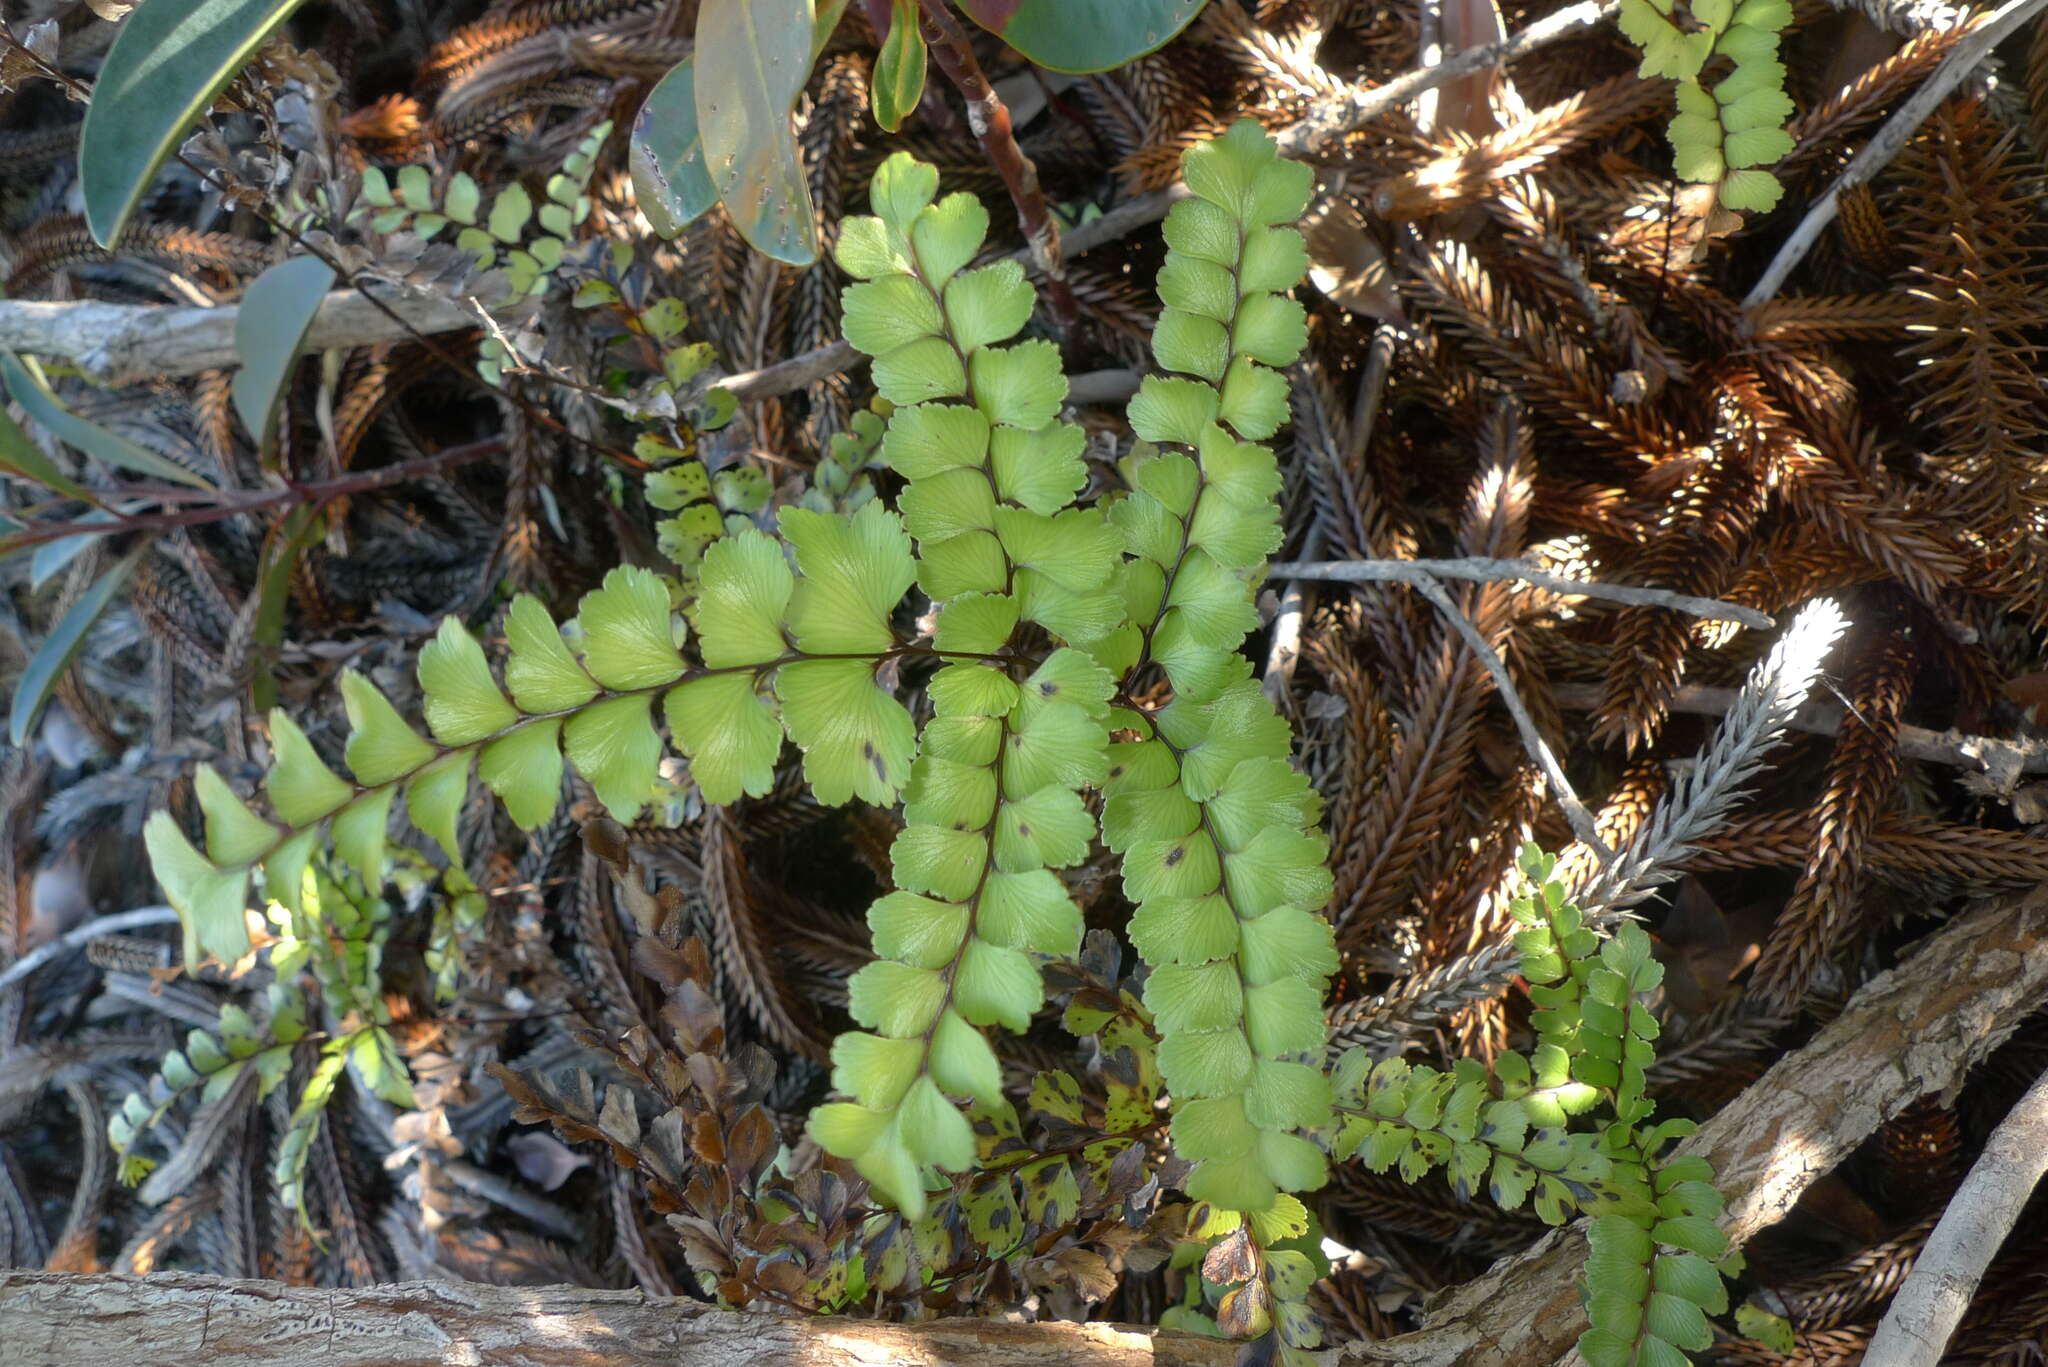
{"points": [[316, 493], [990, 118]]}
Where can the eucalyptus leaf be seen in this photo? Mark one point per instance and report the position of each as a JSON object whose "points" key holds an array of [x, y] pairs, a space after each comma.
{"points": [[757, 59], [670, 181], [170, 58], [899, 69], [277, 311], [1083, 35], [52, 556], [39, 679], [26, 383], [21, 456]]}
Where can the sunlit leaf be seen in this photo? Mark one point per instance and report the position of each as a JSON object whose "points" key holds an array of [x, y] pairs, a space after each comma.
{"points": [[756, 59]]}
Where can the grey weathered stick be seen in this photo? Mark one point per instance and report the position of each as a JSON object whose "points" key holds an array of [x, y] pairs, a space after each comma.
{"points": [[785, 377], [1487, 570], [1930, 1303], [1887, 142], [55, 1319], [1826, 719], [119, 343]]}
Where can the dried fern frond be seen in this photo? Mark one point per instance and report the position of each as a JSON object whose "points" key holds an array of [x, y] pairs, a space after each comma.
{"points": [[1700, 801], [1862, 776], [1972, 228]]}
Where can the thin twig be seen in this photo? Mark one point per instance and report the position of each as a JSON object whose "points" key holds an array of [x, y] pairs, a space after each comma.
{"points": [[234, 505], [1825, 719], [1487, 570], [1532, 739], [1285, 649], [1930, 1303], [1340, 114], [139, 919], [1890, 140]]}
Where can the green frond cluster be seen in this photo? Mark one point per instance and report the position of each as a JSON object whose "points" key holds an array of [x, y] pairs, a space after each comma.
{"points": [[527, 243], [993, 804], [1729, 134], [336, 933], [497, 236], [1658, 1261], [763, 639], [1066, 648]]}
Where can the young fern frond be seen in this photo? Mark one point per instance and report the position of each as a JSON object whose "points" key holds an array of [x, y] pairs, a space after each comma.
{"points": [[1216, 827], [1727, 136], [1658, 1260], [993, 804]]}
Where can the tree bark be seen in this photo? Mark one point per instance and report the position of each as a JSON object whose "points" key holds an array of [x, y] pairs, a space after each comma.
{"points": [[51, 1319], [1907, 1033]]}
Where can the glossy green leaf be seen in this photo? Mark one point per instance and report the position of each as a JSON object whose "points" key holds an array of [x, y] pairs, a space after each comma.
{"points": [[26, 384], [39, 678], [168, 61], [898, 82], [270, 327], [1083, 35], [757, 59], [19, 455]]}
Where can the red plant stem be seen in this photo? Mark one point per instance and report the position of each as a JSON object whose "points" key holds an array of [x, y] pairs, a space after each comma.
{"points": [[990, 119], [316, 493]]}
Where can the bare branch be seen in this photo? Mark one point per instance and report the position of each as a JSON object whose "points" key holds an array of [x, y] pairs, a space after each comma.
{"points": [[1487, 570], [121, 343], [61, 1320], [1929, 1306]]}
